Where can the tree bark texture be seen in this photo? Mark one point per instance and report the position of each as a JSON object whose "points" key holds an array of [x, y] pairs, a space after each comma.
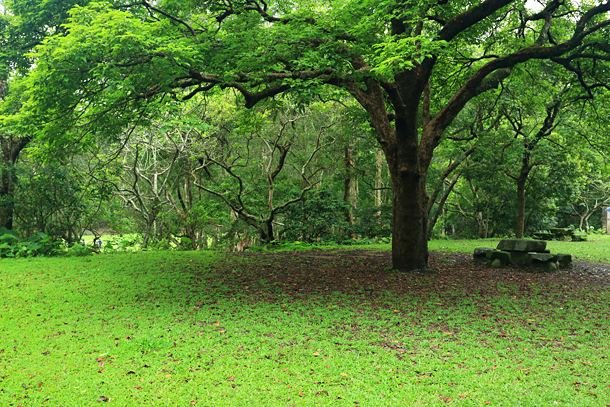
{"points": [[10, 148]]}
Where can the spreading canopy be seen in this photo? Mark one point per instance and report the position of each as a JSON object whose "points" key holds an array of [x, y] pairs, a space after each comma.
{"points": [[413, 65]]}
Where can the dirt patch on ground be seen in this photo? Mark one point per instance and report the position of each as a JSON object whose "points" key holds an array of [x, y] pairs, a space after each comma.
{"points": [[369, 272]]}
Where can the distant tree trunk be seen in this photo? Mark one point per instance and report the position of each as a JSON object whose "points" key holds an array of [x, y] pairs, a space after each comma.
{"points": [[378, 176], [521, 180], [527, 164], [440, 208], [446, 190], [10, 148], [266, 231], [350, 185]]}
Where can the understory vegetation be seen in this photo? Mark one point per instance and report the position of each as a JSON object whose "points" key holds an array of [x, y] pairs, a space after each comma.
{"points": [[318, 327]]}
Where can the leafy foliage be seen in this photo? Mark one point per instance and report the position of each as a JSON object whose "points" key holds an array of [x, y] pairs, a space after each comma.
{"points": [[39, 244]]}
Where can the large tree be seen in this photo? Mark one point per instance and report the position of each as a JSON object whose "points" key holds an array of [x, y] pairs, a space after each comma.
{"points": [[23, 25], [413, 65]]}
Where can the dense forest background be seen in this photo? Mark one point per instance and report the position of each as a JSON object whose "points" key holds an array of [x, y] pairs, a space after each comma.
{"points": [[207, 169]]}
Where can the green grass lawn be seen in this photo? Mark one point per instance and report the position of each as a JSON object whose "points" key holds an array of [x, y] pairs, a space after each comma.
{"points": [[162, 329], [596, 249]]}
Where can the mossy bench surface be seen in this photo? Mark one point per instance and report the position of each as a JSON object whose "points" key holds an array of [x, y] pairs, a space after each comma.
{"points": [[528, 253]]}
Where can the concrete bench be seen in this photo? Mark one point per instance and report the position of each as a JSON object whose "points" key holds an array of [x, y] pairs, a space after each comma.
{"points": [[525, 253]]}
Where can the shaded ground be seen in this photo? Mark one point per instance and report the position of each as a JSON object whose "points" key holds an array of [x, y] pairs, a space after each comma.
{"points": [[369, 272], [299, 328]]}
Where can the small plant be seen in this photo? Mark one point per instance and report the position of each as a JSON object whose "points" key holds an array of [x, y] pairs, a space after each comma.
{"points": [[79, 251], [39, 244]]}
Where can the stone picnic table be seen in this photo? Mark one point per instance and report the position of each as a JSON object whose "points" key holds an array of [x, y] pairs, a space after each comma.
{"points": [[525, 253], [560, 234]]}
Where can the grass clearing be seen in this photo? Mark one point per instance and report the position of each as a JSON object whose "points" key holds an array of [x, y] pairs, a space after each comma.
{"points": [[166, 329]]}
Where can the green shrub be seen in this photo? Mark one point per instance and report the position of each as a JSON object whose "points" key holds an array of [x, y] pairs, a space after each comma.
{"points": [[39, 244], [78, 251]]}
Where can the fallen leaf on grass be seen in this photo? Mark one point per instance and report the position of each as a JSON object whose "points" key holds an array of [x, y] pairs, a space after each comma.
{"points": [[445, 399], [131, 372], [102, 398], [301, 394], [316, 354], [231, 378]]}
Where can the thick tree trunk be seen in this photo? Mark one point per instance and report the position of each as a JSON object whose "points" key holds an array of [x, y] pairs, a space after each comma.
{"points": [[266, 231], [408, 177], [409, 197], [409, 239]]}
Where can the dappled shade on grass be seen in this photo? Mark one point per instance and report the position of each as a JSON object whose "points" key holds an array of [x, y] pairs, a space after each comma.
{"points": [[298, 328]]}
